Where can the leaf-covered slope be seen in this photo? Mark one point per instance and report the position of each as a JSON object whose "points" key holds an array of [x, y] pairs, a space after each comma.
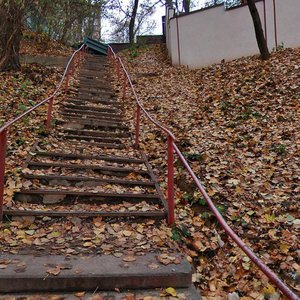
{"points": [[238, 123], [40, 44], [19, 91]]}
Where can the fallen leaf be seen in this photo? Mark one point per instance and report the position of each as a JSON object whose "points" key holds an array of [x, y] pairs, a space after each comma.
{"points": [[129, 258], [54, 271]]}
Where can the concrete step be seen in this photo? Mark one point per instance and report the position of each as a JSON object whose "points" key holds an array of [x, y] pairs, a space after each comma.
{"points": [[137, 215], [57, 273], [153, 294], [189, 293]]}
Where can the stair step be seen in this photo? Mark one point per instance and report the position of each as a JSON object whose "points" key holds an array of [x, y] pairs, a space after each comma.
{"points": [[67, 196], [78, 179], [96, 84], [91, 117], [91, 273], [111, 116], [122, 170], [69, 125], [99, 145], [97, 133], [102, 71], [85, 91], [120, 159], [92, 138], [91, 86], [93, 99], [155, 214], [189, 293], [91, 108], [99, 74], [86, 147], [95, 122]]}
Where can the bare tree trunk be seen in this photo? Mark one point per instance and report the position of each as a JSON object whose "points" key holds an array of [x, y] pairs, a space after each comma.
{"points": [[169, 3], [186, 5], [132, 21], [260, 38], [11, 16]]}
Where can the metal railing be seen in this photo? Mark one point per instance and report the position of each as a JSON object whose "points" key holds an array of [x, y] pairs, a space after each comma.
{"points": [[74, 61], [171, 148]]}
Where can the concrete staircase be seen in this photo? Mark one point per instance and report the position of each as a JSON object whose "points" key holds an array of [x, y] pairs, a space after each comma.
{"points": [[87, 170]]}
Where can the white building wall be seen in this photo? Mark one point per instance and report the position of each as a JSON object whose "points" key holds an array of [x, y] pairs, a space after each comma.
{"points": [[288, 22], [214, 34]]}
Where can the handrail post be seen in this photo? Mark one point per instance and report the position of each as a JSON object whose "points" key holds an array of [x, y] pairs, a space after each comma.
{"points": [[80, 58], [67, 81], [49, 114], [73, 66], [124, 85], [137, 126], [3, 144], [171, 201], [118, 68]]}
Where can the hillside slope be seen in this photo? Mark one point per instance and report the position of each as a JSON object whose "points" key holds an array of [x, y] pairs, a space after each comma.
{"points": [[238, 123], [19, 91]]}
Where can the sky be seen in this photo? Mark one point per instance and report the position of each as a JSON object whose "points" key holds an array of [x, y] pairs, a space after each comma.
{"points": [[160, 11]]}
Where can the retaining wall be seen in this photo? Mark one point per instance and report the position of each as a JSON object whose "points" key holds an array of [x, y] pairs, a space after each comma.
{"points": [[210, 35]]}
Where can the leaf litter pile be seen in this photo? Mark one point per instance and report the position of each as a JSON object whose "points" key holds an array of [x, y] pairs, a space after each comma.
{"points": [[238, 125]]}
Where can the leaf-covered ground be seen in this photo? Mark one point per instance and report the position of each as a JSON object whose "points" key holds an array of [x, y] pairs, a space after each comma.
{"points": [[41, 45], [238, 125], [19, 91]]}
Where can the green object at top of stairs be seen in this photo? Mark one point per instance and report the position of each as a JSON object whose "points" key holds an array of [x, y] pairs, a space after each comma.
{"points": [[98, 47]]}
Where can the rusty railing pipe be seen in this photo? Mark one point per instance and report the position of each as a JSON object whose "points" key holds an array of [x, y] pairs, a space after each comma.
{"points": [[49, 114], [171, 200], [137, 126], [3, 145], [124, 85]]}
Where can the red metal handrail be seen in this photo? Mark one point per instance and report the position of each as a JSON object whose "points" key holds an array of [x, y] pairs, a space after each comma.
{"points": [[70, 69], [171, 203]]}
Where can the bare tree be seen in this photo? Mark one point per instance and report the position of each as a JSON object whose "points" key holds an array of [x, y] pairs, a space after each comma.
{"points": [[11, 16], [132, 21], [260, 38], [186, 5], [129, 20], [67, 20]]}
